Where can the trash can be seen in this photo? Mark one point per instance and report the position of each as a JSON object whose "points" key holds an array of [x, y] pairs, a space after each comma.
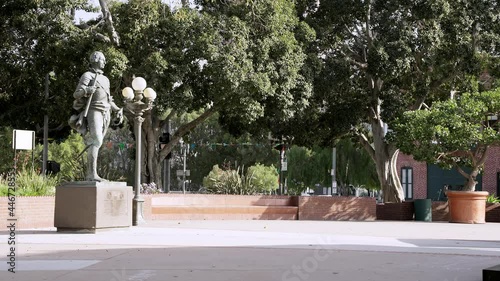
{"points": [[423, 209]]}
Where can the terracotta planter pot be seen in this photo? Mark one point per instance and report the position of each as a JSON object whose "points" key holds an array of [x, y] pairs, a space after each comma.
{"points": [[467, 206]]}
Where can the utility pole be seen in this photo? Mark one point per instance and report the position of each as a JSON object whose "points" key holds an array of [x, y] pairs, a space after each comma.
{"points": [[282, 160], [334, 170], [167, 161], [184, 169], [45, 154]]}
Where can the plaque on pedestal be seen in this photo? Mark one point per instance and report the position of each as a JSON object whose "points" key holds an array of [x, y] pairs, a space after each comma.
{"points": [[88, 206]]}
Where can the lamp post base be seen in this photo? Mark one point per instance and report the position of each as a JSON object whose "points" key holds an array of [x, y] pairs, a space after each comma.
{"points": [[137, 217]]}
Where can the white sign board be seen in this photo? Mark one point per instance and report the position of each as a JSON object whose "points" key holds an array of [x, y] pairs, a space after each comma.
{"points": [[23, 140], [284, 166]]}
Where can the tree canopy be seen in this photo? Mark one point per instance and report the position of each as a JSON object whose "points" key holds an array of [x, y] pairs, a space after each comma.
{"points": [[373, 60], [311, 70], [452, 133], [241, 59]]}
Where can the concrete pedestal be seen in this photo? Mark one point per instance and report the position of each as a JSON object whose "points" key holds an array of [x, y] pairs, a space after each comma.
{"points": [[87, 206]]}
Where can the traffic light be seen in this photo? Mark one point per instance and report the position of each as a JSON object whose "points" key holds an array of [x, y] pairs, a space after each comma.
{"points": [[279, 146], [164, 139]]}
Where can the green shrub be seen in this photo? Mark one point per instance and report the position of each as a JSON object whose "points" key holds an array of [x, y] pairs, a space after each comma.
{"points": [[259, 179], [265, 178], [3, 186], [492, 198], [31, 183], [220, 181], [69, 155]]}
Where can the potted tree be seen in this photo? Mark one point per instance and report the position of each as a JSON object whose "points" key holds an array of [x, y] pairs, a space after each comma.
{"points": [[455, 133]]}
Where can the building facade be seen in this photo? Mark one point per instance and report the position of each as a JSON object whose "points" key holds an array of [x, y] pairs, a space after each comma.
{"points": [[427, 181]]}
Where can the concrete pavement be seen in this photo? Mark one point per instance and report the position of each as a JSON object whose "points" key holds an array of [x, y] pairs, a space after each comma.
{"points": [[258, 250]]}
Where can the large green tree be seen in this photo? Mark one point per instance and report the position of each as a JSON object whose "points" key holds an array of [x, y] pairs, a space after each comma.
{"points": [[38, 38], [455, 133], [377, 59], [241, 59]]}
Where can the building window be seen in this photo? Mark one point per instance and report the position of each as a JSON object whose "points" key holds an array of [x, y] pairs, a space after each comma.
{"points": [[407, 182]]}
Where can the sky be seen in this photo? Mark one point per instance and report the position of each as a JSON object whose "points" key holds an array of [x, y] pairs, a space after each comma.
{"points": [[86, 16], [79, 14]]}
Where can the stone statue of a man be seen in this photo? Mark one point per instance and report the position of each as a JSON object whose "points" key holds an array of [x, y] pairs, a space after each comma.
{"points": [[94, 103]]}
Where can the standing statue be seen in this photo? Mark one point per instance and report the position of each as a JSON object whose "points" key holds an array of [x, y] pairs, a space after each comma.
{"points": [[94, 103]]}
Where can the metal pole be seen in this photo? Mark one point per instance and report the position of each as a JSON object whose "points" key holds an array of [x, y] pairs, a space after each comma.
{"points": [[45, 154], [334, 171], [166, 175], [167, 166], [138, 200], [184, 170], [282, 181]]}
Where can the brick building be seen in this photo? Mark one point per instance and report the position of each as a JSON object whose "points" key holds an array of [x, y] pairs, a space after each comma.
{"points": [[421, 180]]}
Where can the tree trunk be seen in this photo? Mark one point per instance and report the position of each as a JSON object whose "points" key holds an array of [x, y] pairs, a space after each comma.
{"points": [[470, 184], [152, 154], [478, 158], [385, 161], [108, 19], [151, 133], [385, 157]]}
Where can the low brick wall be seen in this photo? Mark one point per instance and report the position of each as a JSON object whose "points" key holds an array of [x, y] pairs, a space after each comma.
{"points": [[492, 212], [38, 212], [337, 208], [440, 211], [31, 212], [396, 211], [223, 207]]}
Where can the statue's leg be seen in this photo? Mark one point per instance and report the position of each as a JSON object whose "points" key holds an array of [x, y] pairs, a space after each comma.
{"points": [[95, 126]]}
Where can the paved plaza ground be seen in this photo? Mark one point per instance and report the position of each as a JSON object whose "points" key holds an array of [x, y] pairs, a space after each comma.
{"points": [[258, 250]]}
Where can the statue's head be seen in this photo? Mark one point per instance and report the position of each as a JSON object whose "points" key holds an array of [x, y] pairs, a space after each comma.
{"points": [[97, 60]]}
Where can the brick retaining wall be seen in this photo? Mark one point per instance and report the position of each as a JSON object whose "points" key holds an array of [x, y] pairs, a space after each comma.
{"points": [[492, 212], [337, 208], [31, 212], [38, 212], [223, 207]]}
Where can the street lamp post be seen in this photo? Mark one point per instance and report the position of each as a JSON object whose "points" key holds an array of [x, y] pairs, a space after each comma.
{"points": [[134, 104], [184, 171]]}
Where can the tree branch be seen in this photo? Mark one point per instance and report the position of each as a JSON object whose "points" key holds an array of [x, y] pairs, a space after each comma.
{"points": [[102, 37], [353, 61], [106, 14], [367, 145], [183, 130], [369, 35], [483, 156], [460, 170]]}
